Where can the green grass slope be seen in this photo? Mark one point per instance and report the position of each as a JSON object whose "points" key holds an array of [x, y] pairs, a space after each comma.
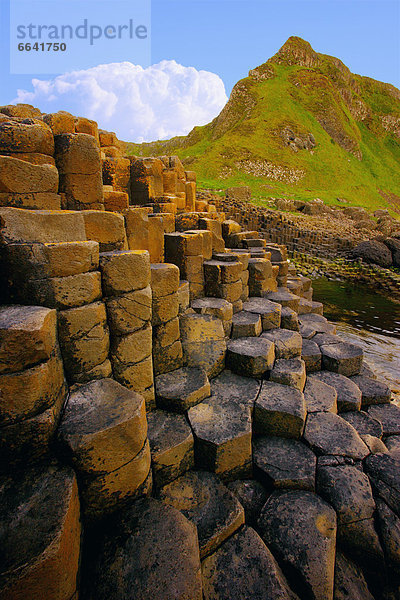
{"points": [[300, 126]]}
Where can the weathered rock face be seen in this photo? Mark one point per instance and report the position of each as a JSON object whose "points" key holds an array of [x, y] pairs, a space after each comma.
{"points": [[327, 433], [26, 135], [40, 534], [389, 416], [20, 177], [171, 446], [78, 161], [300, 529], [349, 580], [244, 568], [319, 396], [181, 389], [348, 490], [251, 357], [252, 495], [27, 336], [373, 251], [284, 463], [203, 341], [152, 551], [104, 436], [279, 411], [384, 474], [288, 343], [103, 427], [214, 510], [125, 271], [222, 432], [289, 372], [348, 393], [232, 387]]}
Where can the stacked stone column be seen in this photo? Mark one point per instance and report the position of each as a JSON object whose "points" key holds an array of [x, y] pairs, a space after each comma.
{"points": [[186, 251], [167, 347], [78, 161], [223, 279], [103, 435], [261, 277], [28, 177], [32, 383], [146, 180], [244, 258], [279, 259], [126, 286], [215, 227], [65, 276], [117, 173], [190, 189]]}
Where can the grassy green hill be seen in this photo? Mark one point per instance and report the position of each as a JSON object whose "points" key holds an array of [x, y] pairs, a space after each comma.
{"points": [[300, 126]]}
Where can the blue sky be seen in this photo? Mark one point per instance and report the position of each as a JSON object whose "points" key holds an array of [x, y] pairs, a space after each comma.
{"points": [[222, 37], [230, 37]]}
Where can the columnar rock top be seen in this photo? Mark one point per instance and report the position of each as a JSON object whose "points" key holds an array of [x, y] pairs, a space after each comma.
{"points": [[172, 400]]}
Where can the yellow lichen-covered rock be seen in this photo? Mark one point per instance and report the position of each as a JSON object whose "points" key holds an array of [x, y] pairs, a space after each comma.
{"points": [[137, 228], [106, 228], [29, 392], [171, 445], [132, 348], [203, 341], [28, 336], [82, 191], [26, 135], [18, 176], [205, 501], [87, 126], [77, 153], [20, 225], [156, 238], [165, 308], [164, 279], [124, 271], [23, 111], [129, 312], [31, 200], [83, 335], [167, 358], [103, 427], [40, 261], [60, 122], [103, 494], [66, 292]]}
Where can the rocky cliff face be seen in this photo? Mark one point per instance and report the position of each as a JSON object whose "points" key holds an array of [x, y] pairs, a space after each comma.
{"points": [[352, 121]]}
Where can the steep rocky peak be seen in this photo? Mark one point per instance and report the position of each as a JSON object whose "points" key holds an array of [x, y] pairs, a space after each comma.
{"points": [[296, 51]]}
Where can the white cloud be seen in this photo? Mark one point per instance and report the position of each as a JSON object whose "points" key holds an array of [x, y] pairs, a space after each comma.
{"points": [[159, 102]]}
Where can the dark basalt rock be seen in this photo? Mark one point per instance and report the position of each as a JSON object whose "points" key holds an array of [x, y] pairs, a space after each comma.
{"points": [[348, 393], [384, 473], [252, 495], [363, 423], [244, 568], [300, 529], [373, 391], [327, 433], [150, 552], [284, 463], [349, 491]]}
